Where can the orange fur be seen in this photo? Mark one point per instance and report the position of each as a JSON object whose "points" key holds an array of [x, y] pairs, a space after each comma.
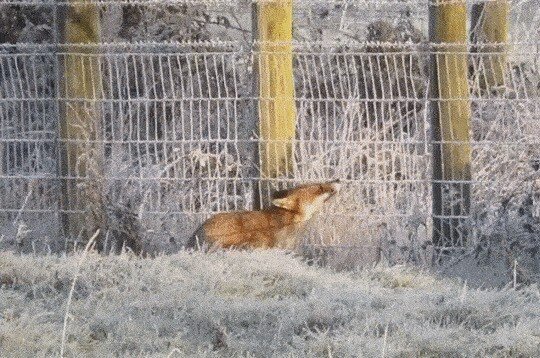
{"points": [[277, 226]]}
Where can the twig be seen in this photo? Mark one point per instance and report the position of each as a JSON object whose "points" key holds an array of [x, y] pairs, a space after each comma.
{"points": [[225, 25], [515, 274], [72, 289], [174, 350], [385, 341], [19, 213]]}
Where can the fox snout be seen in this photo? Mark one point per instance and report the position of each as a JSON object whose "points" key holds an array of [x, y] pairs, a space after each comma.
{"points": [[335, 187]]}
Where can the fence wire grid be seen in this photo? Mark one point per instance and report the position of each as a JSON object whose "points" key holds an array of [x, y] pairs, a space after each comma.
{"points": [[178, 107]]}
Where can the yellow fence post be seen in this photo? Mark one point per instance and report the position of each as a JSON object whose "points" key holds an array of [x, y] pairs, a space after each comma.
{"points": [[489, 25], [451, 121], [277, 110], [80, 123]]}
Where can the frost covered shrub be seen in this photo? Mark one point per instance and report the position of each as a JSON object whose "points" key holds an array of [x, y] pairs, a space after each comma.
{"points": [[261, 304]]}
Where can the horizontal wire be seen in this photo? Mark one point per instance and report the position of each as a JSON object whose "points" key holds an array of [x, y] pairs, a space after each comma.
{"points": [[359, 100], [162, 179], [255, 140], [243, 2], [196, 213], [256, 44]]}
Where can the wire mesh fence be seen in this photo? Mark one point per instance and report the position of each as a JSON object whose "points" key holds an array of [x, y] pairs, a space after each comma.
{"points": [[173, 87]]}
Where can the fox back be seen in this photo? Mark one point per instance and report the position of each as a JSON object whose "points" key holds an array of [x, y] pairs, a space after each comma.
{"points": [[278, 226]]}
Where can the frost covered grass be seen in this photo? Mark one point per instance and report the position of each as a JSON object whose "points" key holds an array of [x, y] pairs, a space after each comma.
{"points": [[257, 304]]}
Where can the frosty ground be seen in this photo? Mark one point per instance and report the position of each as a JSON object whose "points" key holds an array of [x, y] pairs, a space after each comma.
{"points": [[261, 304]]}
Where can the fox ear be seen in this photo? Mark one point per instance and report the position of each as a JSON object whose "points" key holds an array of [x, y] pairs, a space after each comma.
{"points": [[285, 203]]}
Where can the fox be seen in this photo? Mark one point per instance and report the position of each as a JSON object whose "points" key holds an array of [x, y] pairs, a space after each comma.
{"points": [[278, 226]]}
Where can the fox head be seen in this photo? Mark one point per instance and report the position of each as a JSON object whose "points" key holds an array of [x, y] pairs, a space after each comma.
{"points": [[306, 199]]}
